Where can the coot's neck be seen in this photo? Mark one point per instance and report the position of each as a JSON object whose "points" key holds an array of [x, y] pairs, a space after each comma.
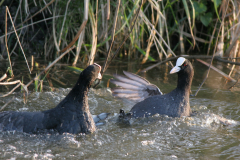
{"points": [[79, 93], [184, 82]]}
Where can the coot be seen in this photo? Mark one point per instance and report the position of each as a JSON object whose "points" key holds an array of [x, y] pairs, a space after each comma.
{"points": [[71, 115], [150, 99]]}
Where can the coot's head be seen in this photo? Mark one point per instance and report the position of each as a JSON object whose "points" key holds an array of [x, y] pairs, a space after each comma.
{"points": [[91, 73], [185, 72], [182, 65]]}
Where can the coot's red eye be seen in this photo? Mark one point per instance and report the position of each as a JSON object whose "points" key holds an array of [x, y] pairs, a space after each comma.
{"points": [[184, 65]]}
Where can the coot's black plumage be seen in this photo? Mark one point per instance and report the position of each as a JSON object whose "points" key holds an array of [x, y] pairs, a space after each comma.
{"points": [[174, 104], [71, 115]]}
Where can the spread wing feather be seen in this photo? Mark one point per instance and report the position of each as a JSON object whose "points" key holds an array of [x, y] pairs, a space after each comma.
{"points": [[133, 87]]}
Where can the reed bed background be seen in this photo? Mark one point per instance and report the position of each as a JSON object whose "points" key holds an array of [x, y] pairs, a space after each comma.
{"points": [[76, 31], [163, 28]]}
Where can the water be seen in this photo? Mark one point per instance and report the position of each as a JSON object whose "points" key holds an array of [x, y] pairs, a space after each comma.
{"points": [[159, 137]]}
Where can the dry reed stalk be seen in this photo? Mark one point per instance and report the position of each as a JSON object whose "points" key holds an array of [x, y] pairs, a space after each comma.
{"points": [[80, 39], [189, 18], [54, 29], [180, 31], [36, 13], [164, 52], [94, 35], [155, 5], [182, 47], [5, 105], [7, 10], [48, 48], [196, 38], [105, 66], [145, 19], [3, 77], [16, 14], [152, 35], [2, 44], [160, 22], [212, 55], [11, 83], [234, 56], [76, 37], [32, 62], [113, 36], [166, 30], [235, 32], [86, 6], [217, 70], [79, 46], [63, 23], [233, 43], [190, 57], [3, 48], [180, 28], [232, 28], [103, 17], [108, 9], [157, 64], [159, 53], [56, 80], [6, 42], [193, 57], [47, 4], [150, 42], [211, 39], [221, 42], [50, 65], [104, 25], [13, 49], [45, 21], [29, 25]]}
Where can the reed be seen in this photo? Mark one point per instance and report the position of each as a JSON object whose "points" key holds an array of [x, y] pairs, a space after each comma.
{"points": [[165, 25], [60, 30]]}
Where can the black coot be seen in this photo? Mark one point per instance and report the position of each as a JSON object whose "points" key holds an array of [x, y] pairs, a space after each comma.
{"points": [[71, 115], [150, 98]]}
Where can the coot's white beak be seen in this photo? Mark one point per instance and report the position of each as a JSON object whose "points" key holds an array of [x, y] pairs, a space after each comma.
{"points": [[99, 74], [177, 68]]}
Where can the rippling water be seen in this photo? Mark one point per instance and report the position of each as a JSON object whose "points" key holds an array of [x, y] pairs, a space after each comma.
{"points": [[158, 137]]}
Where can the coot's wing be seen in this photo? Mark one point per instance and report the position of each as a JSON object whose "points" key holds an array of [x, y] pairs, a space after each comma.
{"points": [[133, 87]]}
